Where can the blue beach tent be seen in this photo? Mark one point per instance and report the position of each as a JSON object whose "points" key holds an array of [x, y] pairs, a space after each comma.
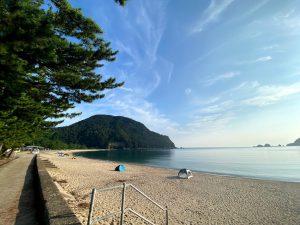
{"points": [[120, 168]]}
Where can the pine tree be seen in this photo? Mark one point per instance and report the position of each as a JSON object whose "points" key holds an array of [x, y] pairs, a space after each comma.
{"points": [[48, 57]]}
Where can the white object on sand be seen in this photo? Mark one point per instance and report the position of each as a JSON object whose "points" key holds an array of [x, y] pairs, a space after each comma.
{"points": [[184, 173]]}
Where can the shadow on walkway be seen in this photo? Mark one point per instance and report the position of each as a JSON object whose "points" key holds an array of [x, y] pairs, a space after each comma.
{"points": [[27, 210]]}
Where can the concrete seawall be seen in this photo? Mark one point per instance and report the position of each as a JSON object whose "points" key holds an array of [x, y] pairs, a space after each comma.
{"points": [[52, 208]]}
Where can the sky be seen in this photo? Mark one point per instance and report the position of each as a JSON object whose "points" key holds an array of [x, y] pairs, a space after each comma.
{"points": [[206, 73]]}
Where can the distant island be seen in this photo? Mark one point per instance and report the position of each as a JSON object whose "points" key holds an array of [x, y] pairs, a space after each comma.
{"points": [[107, 132], [295, 143], [268, 145]]}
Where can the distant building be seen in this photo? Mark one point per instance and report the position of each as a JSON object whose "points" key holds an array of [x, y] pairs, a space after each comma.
{"points": [[32, 148]]}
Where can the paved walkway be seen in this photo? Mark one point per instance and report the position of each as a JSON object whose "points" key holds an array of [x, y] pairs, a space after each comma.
{"points": [[16, 192]]}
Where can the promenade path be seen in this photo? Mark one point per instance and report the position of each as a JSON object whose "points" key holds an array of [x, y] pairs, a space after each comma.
{"points": [[16, 192]]}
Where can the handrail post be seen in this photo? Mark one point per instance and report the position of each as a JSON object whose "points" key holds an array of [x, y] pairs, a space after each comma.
{"points": [[123, 204], [91, 207], [167, 216]]}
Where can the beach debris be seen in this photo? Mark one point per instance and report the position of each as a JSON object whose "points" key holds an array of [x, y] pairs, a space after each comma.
{"points": [[62, 154], [83, 205], [120, 168], [185, 174]]}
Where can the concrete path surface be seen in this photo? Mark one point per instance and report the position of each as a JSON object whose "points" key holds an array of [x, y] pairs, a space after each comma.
{"points": [[16, 192]]}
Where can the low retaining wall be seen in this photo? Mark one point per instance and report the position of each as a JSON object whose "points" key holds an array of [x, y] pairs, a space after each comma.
{"points": [[52, 207]]}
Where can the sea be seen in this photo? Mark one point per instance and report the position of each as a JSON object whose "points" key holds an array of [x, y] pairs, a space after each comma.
{"points": [[268, 163]]}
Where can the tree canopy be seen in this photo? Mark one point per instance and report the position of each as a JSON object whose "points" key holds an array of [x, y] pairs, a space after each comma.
{"points": [[49, 55]]}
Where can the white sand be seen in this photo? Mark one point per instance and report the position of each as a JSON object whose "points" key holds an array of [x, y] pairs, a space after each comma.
{"points": [[204, 199]]}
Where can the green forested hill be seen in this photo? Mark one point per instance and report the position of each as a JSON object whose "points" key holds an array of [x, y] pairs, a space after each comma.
{"points": [[104, 131]]}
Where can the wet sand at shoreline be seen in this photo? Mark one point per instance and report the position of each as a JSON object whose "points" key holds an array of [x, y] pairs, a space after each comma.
{"points": [[204, 199]]}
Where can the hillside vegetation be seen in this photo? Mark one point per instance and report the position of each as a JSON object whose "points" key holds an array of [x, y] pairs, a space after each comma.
{"points": [[104, 131]]}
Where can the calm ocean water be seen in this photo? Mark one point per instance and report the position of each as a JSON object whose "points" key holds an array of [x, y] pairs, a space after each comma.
{"points": [[273, 163]]}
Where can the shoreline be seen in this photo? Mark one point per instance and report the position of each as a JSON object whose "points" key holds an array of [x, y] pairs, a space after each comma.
{"points": [[203, 199], [194, 171]]}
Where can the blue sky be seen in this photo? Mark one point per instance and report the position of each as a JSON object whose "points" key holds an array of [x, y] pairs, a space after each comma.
{"points": [[205, 73]]}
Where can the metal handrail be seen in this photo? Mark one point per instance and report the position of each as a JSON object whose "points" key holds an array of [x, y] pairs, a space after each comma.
{"points": [[123, 209], [147, 197], [139, 215]]}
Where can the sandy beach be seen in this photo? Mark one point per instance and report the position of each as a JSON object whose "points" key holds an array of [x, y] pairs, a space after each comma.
{"points": [[204, 199]]}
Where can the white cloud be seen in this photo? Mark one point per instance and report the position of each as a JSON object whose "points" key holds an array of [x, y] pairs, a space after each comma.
{"points": [[211, 14], [271, 94], [225, 76], [263, 59]]}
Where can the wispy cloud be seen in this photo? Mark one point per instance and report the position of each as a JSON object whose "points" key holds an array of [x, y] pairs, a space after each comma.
{"points": [[211, 14], [257, 60], [126, 89], [263, 59], [252, 93], [219, 107], [207, 54], [209, 122], [271, 94], [225, 76], [143, 30], [131, 106], [285, 14], [283, 23], [218, 113], [270, 47], [251, 11]]}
